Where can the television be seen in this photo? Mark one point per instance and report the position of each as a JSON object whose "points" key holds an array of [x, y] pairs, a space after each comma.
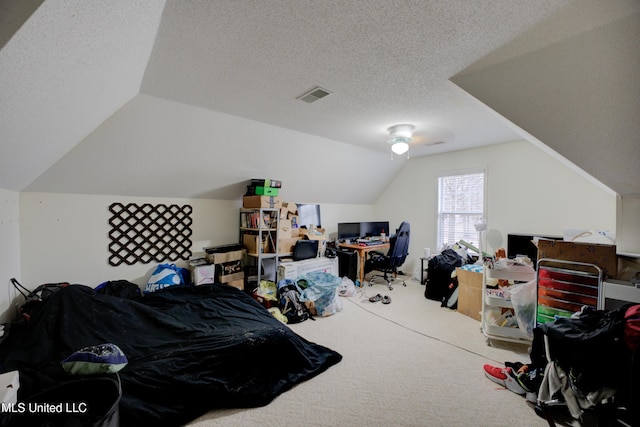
{"points": [[308, 214], [348, 230], [521, 244], [374, 229]]}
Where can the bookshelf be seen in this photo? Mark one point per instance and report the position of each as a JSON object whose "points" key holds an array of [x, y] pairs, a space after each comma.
{"points": [[259, 228]]}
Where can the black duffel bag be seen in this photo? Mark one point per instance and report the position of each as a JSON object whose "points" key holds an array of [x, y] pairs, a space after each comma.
{"points": [[439, 272]]}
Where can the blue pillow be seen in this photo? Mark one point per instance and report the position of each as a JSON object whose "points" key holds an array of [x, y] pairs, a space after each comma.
{"points": [[95, 359]]}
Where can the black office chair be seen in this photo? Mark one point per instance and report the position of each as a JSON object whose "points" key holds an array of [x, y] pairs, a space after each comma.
{"points": [[388, 263]]}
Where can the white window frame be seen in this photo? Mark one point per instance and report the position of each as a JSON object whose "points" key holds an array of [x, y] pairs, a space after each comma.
{"points": [[469, 233]]}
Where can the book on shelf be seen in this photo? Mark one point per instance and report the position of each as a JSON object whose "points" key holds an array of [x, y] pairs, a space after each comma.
{"points": [[254, 219]]}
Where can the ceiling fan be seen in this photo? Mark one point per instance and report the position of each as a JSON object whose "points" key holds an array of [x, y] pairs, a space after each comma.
{"points": [[401, 137]]}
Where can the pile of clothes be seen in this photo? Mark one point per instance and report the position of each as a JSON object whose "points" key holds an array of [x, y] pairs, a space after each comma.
{"points": [[587, 364]]}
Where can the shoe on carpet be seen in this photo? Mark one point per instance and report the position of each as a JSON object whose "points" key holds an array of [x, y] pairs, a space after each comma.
{"points": [[512, 382], [386, 299], [375, 298], [505, 377], [495, 374]]}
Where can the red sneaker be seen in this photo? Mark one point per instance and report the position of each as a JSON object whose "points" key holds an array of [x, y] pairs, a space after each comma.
{"points": [[495, 374], [505, 377]]}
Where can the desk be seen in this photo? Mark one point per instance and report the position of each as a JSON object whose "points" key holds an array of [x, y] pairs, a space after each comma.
{"points": [[362, 252]]}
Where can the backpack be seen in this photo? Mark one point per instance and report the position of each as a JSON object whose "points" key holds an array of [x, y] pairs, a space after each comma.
{"points": [[289, 302], [36, 298]]}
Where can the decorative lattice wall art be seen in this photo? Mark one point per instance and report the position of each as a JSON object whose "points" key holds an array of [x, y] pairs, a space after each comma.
{"points": [[147, 233]]}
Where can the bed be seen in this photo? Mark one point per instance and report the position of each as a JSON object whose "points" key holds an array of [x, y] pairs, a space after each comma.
{"points": [[189, 349]]}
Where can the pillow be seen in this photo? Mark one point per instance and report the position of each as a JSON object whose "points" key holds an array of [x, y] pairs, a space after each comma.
{"points": [[96, 359]]}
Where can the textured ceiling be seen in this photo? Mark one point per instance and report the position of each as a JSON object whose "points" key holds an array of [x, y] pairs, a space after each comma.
{"points": [[68, 68], [84, 86], [385, 62]]}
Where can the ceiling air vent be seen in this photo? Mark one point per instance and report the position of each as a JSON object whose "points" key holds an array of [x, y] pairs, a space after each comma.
{"points": [[314, 94]]}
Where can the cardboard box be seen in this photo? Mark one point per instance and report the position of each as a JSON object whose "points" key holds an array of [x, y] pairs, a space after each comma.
{"points": [[230, 277], [312, 235], [254, 247], [266, 191], [285, 229], [201, 271], [604, 256], [293, 269], [202, 274], [237, 284], [253, 190], [273, 202], [469, 293], [222, 257], [291, 208], [285, 246], [230, 268]]}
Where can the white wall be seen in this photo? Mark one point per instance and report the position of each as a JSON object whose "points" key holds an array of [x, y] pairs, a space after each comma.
{"points": [[628, 232], [529, 191], [9, 252], [65, 236]]}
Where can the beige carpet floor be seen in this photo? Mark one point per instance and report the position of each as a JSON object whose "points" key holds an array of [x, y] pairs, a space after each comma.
{"points": [[408, 363]]}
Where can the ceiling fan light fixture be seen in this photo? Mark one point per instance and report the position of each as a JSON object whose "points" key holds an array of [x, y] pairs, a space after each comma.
{"points": [[401, 131], [400, 137], [400, 147]]}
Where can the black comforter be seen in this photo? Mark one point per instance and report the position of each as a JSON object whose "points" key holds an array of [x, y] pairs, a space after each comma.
{"points": [[190, 350]]}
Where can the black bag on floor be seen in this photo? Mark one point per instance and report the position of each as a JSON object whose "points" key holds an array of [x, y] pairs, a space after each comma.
{"points": [[83, 402], [439, 272]]}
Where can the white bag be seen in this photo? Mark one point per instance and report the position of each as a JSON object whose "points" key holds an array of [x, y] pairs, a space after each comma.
{"points": [[523, 298], [347, 288]]}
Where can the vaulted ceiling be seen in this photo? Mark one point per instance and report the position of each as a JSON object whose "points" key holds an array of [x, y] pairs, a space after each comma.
{"points": [[191, 99]]}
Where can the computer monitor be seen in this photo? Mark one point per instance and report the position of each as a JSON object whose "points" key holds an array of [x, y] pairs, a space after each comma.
{"points": [[348, 230], [521, 244], [374, 228]]}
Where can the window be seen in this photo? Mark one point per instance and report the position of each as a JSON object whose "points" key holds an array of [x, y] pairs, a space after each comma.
{"points": [[460, 207]]}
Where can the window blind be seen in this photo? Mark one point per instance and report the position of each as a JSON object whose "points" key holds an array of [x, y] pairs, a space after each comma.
{"points": [[460, 206]]}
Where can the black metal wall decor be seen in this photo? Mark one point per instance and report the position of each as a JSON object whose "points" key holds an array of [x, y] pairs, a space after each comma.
{"points": [[147, 233]]}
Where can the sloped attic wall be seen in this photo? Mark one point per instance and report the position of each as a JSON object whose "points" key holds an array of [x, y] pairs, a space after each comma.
{"points": [[580, 96], [9, 251], [160, 148]]}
